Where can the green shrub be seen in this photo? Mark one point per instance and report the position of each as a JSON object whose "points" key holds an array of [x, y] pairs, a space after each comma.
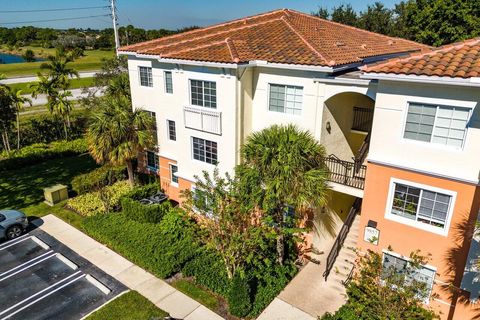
{"points": [[40, 152], [106, 199], [208, 270], [239, 303], [160, 248], [146, 213], [344, 313], [100, 177], [141, 192]]}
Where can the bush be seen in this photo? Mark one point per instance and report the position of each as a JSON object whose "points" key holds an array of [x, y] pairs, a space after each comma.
{"points": [[100, 177], [141, 192], [40, 152], [239, 296], [101, 201], [145, 213], [208, 270], [160, 248]]}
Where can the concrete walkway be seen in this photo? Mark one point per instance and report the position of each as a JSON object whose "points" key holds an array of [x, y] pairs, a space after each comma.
{"points": [[308, 295], [154, 289], [87, 74]]}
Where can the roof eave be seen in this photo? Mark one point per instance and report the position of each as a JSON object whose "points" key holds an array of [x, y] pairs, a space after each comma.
{"points": [[466, 82]]}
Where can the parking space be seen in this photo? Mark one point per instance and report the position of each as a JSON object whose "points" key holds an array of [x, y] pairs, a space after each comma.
{"points": [[42, 279]]}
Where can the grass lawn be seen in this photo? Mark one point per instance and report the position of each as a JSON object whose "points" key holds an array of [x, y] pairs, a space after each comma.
{"points": [[23, 187], [74, 84], [91, 61], [129, 306], [197, 293]]}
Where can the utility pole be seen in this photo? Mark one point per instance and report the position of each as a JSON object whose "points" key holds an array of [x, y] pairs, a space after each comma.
{"points": [[115, 25]]}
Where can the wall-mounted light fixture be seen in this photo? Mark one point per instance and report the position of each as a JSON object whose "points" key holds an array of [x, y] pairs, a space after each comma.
{"points": [[329, 127]]}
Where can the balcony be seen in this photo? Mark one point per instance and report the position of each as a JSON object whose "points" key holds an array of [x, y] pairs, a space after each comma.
{"points": [[347, 173], [203, 120]]}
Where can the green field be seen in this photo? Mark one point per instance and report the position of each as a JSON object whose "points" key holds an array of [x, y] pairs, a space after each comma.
{"points": [[91, 61], [74, 84]]}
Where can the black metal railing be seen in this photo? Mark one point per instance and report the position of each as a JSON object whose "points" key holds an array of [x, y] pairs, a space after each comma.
{"points": [[349, 276], [362, 119], [362, 153], [345, 172], [337, 245]]}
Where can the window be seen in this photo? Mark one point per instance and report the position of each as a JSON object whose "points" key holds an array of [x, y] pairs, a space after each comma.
{"points": [[420, 274], [146, 76], [204, 93], [168, 82], [437, 124], [153, 115], [172, 132], [152, 161], [421, 205], [173, 170], [286, 99], [204, 150]]}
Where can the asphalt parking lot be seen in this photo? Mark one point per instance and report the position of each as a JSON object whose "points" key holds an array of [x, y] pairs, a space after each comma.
{"points": [[42, 279]]}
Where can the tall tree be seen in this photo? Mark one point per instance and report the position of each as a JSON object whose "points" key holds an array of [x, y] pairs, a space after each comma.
{"points": [[283, 168], [62, 107], [7, 117], [377, 18], [58, 68], [117, 134], [345, 14], [18, 100], [322, 12]]}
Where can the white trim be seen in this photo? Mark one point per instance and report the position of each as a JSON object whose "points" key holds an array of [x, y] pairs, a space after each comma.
{"points": [[469, 82], [165, 81], [168, 130], [203, 92], [284, 113], [435, 145], [413, 223], [347, 81], [170, 164], [199, 161], [140, 76], [389, 164]]}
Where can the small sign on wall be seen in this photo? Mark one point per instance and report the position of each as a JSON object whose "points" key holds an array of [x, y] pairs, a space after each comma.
{"points": [[371, 235]]}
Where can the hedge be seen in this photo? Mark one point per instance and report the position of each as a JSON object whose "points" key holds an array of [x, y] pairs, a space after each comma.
{"points": [[40, 152], [160, 248], [100, 177], [145, 191], [146, 213], [208, 270], [239, 303], [89, 204]]}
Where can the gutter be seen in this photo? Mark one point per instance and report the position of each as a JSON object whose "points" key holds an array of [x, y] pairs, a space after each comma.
{"points": [[470, 82]]}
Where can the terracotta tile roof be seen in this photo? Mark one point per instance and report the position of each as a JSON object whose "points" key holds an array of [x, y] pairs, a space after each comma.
{"points": [[457, 60], [281, 36]]}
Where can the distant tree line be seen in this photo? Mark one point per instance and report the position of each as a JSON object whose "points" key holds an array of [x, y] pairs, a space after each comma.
{"points": [[432, 22], [79, 38]]}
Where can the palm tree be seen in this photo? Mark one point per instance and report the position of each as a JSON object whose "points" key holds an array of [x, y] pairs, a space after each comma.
{"points": [[18, 101], [283, 167], [116, 133], [57, 68], [62, 107]]}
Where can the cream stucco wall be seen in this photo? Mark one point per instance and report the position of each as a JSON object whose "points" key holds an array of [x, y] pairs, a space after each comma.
{"points": [[170, 107], [389, 147]]}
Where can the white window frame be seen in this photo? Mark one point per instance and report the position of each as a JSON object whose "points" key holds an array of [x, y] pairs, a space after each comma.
{"points": [[165, 80], [408, 259], [284, 113], [430, 143], [200, 161], [168, 130], [203, 93], [413, 223], [146, 162], [140, 76], [170, 164]]}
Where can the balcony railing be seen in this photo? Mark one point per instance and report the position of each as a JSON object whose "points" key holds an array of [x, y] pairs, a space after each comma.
{"points": [[345, 172], [362, 119], [203, 120]]}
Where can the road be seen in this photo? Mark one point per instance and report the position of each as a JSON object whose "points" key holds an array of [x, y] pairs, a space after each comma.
{"points": [[77, 94], [88, 74]]}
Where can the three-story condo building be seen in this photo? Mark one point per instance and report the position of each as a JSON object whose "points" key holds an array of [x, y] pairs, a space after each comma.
{"points": [[390, 139]]}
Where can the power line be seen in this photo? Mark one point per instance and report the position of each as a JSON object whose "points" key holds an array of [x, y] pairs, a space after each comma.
{"points": [[55, 9], [59, 19]]}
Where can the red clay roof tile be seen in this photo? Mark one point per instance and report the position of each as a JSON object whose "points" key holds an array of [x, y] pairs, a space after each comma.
{"points": [[281, 36]]}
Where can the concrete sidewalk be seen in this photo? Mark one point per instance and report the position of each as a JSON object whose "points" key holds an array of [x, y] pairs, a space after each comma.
{"points": [[156, 290]]}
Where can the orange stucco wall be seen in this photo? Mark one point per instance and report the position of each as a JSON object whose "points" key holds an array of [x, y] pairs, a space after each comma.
{"points": [[447, 253]]}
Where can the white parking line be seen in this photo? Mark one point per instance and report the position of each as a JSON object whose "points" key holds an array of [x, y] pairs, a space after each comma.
{"points": [[43, 297], [9, 243], [41, 243], [29, 266], [25, 263], [39, 292]]}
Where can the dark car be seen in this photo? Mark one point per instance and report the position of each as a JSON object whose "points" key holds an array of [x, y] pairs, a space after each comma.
{"points": [[12, 224]]}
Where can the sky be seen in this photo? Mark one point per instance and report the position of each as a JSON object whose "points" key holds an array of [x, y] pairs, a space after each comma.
{"points": [[153, 14]]}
